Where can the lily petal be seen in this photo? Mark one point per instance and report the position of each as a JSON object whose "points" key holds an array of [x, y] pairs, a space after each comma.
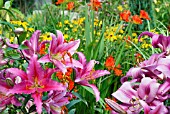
{"points": [[148, 89], [15, 46], [37, 100], [160, 109], [145, 107], [17, 72], [34, 70], [50, 85], [23, 87], [82, 58], [125, 93], [44, 59], [34, 40]]}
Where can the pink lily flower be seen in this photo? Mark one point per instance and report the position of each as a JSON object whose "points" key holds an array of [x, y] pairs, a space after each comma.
{"points": [[32, 44], [158, 41], [55, 101], [146, 68], [60, 53], [34, 81], [6, 84], [88, 73], [135, 99]]}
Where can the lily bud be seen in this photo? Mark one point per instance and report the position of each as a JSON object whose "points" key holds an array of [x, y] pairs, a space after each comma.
{"points": [[19, 30], [116, 107], [9, 82]]}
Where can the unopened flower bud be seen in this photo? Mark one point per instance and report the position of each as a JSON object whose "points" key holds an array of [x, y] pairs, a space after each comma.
{"points": [[116, 107], [9, 82], [19, 30]]}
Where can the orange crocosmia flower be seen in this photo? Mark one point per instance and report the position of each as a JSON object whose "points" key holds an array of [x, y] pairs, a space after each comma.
{"points": [[107, 107], [117, 72], [125, 15], [95, 4], [59, 75], [110, 62], [70, 5], [136, 19], [59, 2], [70, 84], [42, 50], [144, 15], [66, 78]]}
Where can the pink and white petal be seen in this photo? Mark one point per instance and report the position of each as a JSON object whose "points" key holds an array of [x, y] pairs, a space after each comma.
{"points": [[125, 93], [155, 40], [17, 72], [89, 66], [73, 49], [145, 107], [82, 58], [57, 95], [44, 59], [22, 88], [160, 109], [145, 88], [70, 47], [60, 37], [15, 46], [53, 44], [165, 87], [148, 89], [99, 73], [150, 34], [34, 40], [153, 91], [34, 70], [37, 101], [49, 85], [61, 66], [74, 64], [165, 71], [61, 102]]}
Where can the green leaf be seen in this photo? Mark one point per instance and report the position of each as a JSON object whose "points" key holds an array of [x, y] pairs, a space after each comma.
{"points": [[9, 11], [87, 28], [98, 50], [21, 47], [72, 103], [72, 111], [22, 37], [1, 3], [15, 56], [120, 54], [80, 97], [91, 91], [8, 24]]}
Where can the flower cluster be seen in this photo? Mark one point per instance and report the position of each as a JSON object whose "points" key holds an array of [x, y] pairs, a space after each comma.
{"points": [[35, 84], [149, 87], [70, 5], [126, 16], [110, 65]]}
